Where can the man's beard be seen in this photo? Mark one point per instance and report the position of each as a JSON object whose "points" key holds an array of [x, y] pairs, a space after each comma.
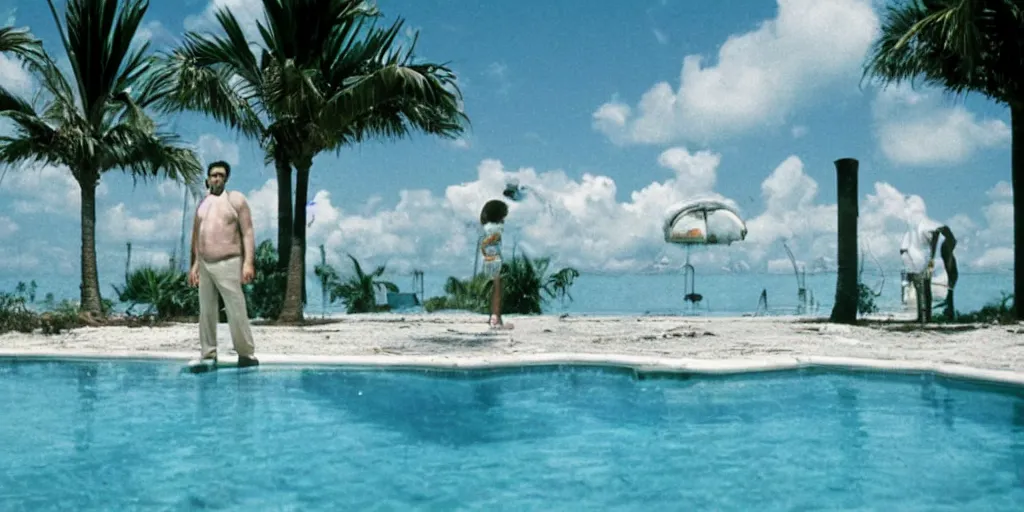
{"points": [[217, 190]]}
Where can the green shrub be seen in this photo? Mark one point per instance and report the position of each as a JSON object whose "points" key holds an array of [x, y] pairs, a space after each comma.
{"points": [[63, 317], [1002, 311], [264, 296], [358, 291], [525, 288], [15, 314], [865, 300], [165, 293]]}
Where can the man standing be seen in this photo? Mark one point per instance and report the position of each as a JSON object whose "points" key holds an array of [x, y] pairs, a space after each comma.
{"points": [[223, 259]]}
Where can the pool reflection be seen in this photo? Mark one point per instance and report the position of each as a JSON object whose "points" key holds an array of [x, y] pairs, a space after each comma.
{"points": [[460, 408]]}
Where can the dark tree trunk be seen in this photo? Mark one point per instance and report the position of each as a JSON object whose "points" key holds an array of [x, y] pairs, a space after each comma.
{"points": [[90, 287], [291, 311], [1016, 180], [845, 308], [284, 208]]}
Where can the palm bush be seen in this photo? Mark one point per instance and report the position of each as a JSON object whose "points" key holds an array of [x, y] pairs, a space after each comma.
{"points": [[165, 292], [526, 287], [358, 291]]}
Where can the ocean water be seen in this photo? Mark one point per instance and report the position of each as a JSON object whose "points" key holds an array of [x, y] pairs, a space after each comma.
{"points": [[639, 294], [143, 436]]}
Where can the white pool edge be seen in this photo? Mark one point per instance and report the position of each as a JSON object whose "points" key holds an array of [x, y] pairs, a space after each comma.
{"points": [[639, 363]]}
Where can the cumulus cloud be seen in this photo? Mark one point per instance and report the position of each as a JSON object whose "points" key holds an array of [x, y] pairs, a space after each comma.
{"points": [[119, 224], [46, 189], [248, 13], [14, 76], [577, 222], [915, 128], [758, 79], [581, 223], [154, 33], [996, 239], [212, 149]]}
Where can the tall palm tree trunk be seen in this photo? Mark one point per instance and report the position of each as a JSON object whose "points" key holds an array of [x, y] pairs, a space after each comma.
{"points": [[1016, 180], [90, 287], [284, 208], [291, 310], [845, 308]]}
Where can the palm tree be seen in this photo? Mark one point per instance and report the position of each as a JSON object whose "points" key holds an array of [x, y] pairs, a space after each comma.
{"points": [[94, 121], [359, 290], [963, 46], [317, 86]]}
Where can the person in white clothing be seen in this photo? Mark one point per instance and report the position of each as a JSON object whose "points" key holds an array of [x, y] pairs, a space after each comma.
{"points": [[918, 253]]}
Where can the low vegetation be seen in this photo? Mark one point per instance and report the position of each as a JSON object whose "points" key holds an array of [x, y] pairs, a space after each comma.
{"points": [[357, 291], [149, 295], [1002, 311], [526, 288], [20, 312]]}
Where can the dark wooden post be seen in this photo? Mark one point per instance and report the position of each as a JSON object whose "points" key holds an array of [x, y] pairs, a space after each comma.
{"points": [[845, 308]]}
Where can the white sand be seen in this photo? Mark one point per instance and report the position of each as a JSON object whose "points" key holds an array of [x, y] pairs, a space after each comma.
{"points": [[460, 337]]}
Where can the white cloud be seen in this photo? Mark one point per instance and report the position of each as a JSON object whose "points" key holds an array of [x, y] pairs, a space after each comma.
{"points": [[798, 131], [212, 149], [46, 189], [580, 222], [758, 79], [155, 33], [660, 36], [996, 239], [14, 76], [1001, 192], [996, 258], [120, 225], [248, 13], [915, 128]]}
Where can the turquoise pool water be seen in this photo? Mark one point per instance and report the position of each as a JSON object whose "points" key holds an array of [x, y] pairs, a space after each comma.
{"points": [[141, 435]]}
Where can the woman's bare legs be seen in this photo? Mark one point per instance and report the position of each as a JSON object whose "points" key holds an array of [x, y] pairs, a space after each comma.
{"points": [[496, 321]]}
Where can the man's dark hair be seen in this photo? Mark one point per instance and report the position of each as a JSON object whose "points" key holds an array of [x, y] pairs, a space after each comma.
{"points": [[223, 165], [493, 211]]}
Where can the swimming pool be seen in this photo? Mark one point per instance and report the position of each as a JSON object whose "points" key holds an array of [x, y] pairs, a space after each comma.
{"points": [[122, 435]]}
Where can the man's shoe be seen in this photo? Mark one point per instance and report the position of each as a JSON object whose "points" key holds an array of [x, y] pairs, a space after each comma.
{"points": [[202, 365], [247, 361]]}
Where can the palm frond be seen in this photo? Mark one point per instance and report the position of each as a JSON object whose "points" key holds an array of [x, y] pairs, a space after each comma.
{"points": [[958, 45], [98, 41], [208, 90], [20, 42], [147, 154], [10, 101]]}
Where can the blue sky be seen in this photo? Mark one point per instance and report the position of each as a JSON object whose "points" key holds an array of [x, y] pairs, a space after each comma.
{"points": [[756, 99]]}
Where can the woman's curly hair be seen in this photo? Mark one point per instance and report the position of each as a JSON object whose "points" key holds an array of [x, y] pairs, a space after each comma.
{"points": [[494, 210]]}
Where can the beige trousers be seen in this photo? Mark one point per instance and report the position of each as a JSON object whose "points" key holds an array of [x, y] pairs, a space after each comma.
{"points": [[224, 278]]}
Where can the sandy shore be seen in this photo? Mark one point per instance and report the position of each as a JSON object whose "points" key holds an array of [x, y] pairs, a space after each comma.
{"points": [[460, 337]]}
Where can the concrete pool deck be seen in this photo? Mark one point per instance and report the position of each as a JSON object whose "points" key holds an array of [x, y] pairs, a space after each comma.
{"points": [[712, 345]]}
